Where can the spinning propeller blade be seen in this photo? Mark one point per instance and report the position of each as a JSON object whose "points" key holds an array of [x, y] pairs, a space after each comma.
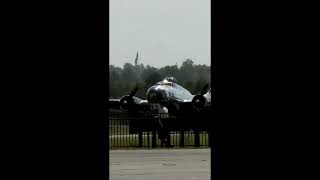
{"points": [[133, 92], [204, 89]]}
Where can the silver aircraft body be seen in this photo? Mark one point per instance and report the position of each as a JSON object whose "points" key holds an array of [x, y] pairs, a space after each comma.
{"points": [[166, 97]]}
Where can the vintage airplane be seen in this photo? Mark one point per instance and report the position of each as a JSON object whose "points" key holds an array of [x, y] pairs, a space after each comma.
{"points": [[165, 97]]}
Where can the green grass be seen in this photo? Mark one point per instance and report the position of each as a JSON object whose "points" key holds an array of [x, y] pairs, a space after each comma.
{"points": [[132, 140]]}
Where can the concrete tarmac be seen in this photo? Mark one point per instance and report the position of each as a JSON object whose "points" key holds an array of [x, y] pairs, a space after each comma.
{"points": [[160, 164]]}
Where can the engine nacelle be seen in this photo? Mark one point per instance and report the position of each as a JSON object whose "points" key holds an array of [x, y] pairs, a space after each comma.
{"points": [[129, 103], [199, 102]]}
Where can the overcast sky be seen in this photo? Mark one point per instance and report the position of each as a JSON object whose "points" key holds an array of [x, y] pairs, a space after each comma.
{"points": [[164, 32]]}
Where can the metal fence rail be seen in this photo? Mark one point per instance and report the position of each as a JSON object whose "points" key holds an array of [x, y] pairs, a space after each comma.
{"points": [[131, 131]]}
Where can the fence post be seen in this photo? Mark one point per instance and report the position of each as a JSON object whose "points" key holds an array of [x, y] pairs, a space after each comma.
{"points": [[154, 139], [140, 138], [182, 138], [148, 140], [196, 138], [209, 138]]}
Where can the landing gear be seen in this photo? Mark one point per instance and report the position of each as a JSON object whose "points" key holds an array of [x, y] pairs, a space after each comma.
{"points": [[163, 133], [164, 137]]}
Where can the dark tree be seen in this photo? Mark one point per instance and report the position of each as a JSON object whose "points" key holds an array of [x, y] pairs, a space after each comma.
{"points": [[190, 76], [129, 72]]}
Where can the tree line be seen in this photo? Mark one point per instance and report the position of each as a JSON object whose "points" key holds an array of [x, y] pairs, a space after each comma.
{"points": [[123, 80]]}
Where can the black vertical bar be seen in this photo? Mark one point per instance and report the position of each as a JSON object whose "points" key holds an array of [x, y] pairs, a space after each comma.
{"points": [[121, 132], [148, 141], [110, 131], [115, 131], [209, 138], [129, 126], [134, 137], [204, 139], [140, 138], [118, 129], [196, 138], [169, 138], [172, 142], [189, 135], [131, 137], [154, 139], [126, 131], [174, 137], [125, 127], [129, 134], [200, 138], [182, 138]]}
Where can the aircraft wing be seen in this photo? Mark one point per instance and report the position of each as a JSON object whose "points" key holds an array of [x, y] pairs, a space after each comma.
{"points": [[115, 105], [186, 105], [180, 106]]}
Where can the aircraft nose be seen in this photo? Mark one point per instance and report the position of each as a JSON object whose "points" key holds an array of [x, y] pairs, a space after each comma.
{"points": [[156, 95]]}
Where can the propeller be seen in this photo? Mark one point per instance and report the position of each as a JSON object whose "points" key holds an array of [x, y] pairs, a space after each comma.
{"points": [[133, 92], [127, 101], [204, 89], [199, 101]]}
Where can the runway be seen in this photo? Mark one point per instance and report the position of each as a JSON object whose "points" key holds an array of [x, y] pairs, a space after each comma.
{"points": [[160, 164]]}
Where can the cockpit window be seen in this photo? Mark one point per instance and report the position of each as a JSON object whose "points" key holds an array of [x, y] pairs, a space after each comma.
{"points": [[171, 79], [164, 83]]}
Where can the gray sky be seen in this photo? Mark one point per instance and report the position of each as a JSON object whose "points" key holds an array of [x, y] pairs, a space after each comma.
{"points": [[164, 32]]}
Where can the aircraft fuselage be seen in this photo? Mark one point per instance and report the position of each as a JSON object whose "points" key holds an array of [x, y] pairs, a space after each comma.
{"points": [[165, 92]]}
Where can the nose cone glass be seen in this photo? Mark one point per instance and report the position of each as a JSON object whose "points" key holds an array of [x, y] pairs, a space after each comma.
{"points": [[155, 95]]}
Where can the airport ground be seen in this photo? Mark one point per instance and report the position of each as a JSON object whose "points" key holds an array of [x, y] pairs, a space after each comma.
{"points": [[159, 164]]}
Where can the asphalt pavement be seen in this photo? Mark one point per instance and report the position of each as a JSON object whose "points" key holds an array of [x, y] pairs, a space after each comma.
{"points": [[178, 164]]}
